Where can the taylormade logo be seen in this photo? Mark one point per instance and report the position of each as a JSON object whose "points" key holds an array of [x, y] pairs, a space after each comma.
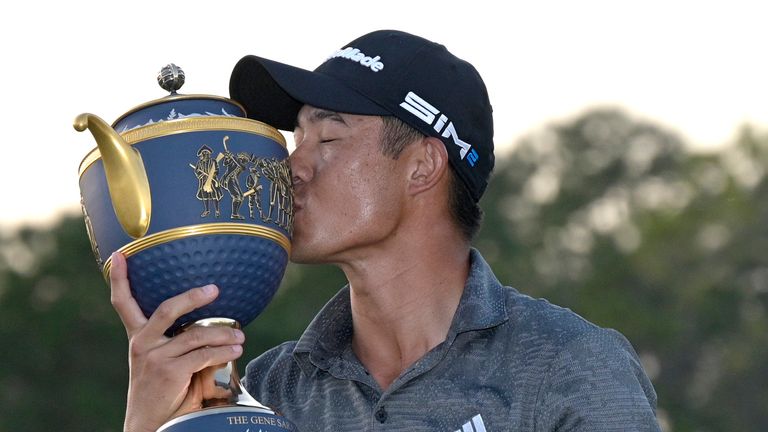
{"points": [[356, 56]]}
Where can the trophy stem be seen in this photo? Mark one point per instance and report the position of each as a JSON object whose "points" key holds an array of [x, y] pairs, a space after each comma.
{"points": [[226, 406], [220, 384]]}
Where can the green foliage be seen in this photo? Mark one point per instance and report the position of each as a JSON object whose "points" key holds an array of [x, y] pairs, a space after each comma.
{"points": [[612, 218], [603, 214], [64, 362]]}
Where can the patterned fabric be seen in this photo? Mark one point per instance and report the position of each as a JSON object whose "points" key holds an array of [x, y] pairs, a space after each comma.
{"points": [[509, 363]]}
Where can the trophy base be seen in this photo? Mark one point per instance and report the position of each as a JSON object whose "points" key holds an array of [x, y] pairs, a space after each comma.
{"points": [[229, 419]]}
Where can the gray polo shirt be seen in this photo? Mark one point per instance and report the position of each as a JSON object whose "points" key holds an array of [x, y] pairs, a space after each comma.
{"points": [[509, 363]]}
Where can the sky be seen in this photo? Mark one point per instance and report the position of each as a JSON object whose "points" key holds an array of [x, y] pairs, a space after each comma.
{"points": [[698, 68]]}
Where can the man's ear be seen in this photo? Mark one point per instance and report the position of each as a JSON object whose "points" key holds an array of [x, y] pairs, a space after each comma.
{"points": [[429, 162]]}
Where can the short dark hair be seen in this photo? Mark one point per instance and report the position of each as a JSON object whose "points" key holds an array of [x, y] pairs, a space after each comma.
{"points": [[395, 136]]}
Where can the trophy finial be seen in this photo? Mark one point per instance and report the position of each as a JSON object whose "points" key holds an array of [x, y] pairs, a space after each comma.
{"points": [[171, 78]]}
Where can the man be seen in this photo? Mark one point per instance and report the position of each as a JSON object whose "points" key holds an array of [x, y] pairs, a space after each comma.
{"points": [[393, 151]]}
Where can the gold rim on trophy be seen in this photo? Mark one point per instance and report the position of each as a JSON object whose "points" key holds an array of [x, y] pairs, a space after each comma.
{"points": [[189, 124]]}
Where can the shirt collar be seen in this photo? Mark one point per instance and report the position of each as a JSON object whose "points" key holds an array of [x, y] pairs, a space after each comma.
{"points": [[329, 335], [483, 303]]}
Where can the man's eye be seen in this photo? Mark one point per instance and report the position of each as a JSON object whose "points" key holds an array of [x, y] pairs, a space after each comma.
{"points": [[328, 140]]}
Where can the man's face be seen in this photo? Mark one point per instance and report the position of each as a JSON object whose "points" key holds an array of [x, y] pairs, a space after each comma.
{"points": [[348, 195]]}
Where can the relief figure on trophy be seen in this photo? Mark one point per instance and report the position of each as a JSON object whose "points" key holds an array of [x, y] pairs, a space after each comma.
{"points": [[254, 188], [234, 165], [280, 200], [208, 189]]}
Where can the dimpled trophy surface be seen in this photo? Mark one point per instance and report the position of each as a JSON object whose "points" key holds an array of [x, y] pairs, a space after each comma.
{"points": [[235, 262], [192, 192]]}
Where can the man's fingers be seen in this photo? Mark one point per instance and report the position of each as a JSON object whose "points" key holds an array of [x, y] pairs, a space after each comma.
{"points": [[122, 300], [173, 308], [192, 362], [199, 337], [200, 359], [164, 316]]}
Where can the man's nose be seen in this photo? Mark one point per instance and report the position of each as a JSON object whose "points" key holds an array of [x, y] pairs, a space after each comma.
{"points": [[301, 165]]}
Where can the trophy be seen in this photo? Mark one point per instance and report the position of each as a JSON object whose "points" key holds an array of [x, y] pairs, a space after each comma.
{"points": [[192, 192]]}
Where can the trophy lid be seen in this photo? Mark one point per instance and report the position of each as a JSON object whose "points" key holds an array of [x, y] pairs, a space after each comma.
{"points": [[176, 106]]}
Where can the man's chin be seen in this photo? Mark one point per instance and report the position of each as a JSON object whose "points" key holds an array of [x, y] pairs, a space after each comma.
{"points": [[304, 255], [300, 260], [301, 255]]}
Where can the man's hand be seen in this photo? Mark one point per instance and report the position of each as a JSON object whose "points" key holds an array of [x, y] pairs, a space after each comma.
{"points": [[160, 367]]}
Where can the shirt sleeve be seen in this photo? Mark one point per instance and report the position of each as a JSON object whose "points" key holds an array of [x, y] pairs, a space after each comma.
{"points": [[596, 383]]}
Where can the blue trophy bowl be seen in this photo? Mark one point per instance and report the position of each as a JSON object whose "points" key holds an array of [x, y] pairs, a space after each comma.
{"points": [[192, 193]]}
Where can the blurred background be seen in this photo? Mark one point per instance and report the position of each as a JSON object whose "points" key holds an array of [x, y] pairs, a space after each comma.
{"points": [[630, 186]]}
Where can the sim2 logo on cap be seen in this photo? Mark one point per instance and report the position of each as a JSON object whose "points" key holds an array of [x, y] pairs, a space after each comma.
{"points": [[427, 112]]}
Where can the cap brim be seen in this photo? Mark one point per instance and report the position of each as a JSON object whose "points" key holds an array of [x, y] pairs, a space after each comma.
{"points": [[274, 92]]}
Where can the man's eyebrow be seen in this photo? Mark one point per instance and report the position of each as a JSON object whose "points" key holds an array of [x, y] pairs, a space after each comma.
{"points": [[320, 115]]}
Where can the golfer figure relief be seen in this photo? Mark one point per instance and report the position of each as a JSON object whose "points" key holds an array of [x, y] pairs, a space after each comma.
{"points": [[255, 172], [254, 189], [208, 188]]}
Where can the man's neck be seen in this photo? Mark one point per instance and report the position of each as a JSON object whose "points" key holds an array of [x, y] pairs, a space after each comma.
{"points": [[403, 302]]}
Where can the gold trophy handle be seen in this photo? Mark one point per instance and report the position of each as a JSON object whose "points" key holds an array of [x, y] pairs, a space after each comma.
{"points": [[126, 176]]}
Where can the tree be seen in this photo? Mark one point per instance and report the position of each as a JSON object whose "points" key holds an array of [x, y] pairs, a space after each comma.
{"points": [[64, 350], [610, 217]]}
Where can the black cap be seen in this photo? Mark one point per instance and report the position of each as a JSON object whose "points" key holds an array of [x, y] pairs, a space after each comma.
{"points": [[385, 72]]}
